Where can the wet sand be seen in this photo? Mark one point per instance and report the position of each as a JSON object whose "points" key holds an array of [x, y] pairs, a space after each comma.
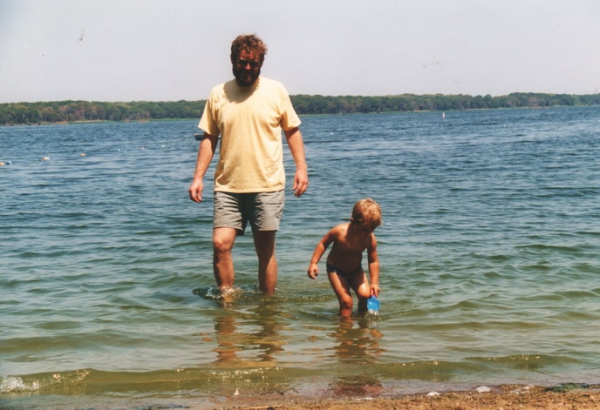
{"points": [[499, 398], [505, 397]]}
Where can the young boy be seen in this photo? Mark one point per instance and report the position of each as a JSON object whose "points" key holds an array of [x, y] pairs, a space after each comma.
{"points": [[344, 267]]}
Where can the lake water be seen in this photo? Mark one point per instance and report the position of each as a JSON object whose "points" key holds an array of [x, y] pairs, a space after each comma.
{"points": [[489, 254]]}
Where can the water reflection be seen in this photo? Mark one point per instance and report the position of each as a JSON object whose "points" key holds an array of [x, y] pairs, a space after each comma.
{"points": [[356, 386], [249, 337], [357, 343]]}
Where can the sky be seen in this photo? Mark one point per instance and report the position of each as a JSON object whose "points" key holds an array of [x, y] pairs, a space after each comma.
{"points": [[170, 50]]}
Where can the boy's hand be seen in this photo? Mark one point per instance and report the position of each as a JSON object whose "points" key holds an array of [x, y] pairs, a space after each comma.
{"points": [[375, 290], [313, 271]]}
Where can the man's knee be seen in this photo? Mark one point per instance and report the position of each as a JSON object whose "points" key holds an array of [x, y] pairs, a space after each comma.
{"points": [[223, 241], [264, 243], [220, 249]]}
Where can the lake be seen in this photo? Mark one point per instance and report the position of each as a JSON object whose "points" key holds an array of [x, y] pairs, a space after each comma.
{"points": [[489, 255]]}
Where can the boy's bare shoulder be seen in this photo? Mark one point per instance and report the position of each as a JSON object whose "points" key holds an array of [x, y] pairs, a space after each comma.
{"points": [[373, 240], [341, 228]]}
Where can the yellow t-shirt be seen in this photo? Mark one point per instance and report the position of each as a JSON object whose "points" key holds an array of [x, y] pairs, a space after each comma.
{"points": [[250, 123]]}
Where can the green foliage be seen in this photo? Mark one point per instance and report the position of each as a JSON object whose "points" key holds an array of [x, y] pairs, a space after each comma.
{"points": [[76, 111], [306, 104]]}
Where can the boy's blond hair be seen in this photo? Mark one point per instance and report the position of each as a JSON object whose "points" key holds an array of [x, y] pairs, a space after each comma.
{"points": [[367, 211]]}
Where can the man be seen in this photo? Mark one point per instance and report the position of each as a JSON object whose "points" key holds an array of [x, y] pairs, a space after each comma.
{"points": [[249, 113]]}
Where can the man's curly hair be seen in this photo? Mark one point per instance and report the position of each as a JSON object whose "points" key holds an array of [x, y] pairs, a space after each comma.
{"points": [[249, 43]]}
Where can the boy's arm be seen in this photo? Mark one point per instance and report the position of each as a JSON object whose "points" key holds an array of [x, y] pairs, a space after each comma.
{"points": [[373, 266], [313, 267]]}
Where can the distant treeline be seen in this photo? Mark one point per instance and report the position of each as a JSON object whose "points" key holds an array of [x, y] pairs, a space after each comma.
{"points": [[77, 111]]}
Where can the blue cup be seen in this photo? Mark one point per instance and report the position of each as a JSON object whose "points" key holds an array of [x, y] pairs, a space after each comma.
{"points": [[373, 304]]}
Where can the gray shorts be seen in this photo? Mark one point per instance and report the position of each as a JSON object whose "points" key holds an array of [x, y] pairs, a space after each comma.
{"points": [[263, 210]]}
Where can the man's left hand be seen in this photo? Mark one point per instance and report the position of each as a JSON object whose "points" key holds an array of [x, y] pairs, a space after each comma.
{"points": [[300, 183]]}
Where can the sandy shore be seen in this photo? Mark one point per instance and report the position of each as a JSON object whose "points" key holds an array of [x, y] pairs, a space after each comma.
{"points": [[505, 397], [501, 398]]}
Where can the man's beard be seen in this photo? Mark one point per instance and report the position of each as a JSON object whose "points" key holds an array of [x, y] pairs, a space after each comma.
{"points": [[245, 78]]}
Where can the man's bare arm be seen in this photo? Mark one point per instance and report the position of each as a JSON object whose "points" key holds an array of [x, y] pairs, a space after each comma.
{"points": [[206, 151], [296, 144]]}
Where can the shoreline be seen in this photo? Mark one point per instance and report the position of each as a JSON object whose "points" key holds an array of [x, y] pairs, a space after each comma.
{"points": [[568, 396], [536, 399], [502, 397]]}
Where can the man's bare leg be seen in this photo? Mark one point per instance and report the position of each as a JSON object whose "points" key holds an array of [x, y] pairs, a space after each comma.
{"points": [[264, 243], [223, 240]]}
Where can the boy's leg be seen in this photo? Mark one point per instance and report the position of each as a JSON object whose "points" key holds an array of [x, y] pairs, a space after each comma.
{"points": [[264, 243], [341, 287], [223, 240], [361, 287]]}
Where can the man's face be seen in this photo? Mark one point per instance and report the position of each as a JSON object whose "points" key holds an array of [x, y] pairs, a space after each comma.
{"points": [[246, 68]]}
